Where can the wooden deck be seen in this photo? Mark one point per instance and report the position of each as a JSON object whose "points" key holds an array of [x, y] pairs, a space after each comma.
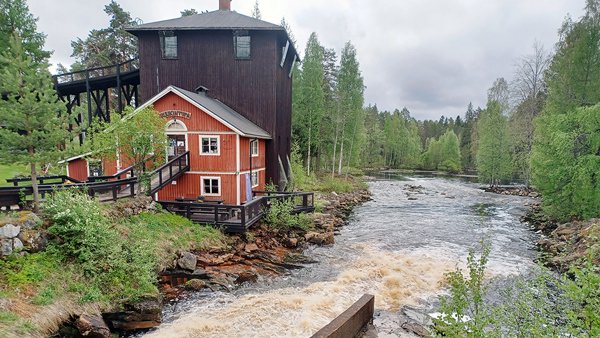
{"points": [[238, 218]]}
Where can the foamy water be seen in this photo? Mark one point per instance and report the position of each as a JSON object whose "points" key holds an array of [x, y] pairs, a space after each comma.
{"points": [[395, 279], [393, 248]]}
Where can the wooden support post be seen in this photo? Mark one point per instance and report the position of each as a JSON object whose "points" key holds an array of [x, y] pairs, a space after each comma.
{"points": [[243, 209], [88, 89], [114, 192], [119, 97]]}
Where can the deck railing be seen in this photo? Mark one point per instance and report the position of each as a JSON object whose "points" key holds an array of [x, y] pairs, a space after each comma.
{"points": [[106, 191], [237, 218], [97, 72], [62, 179], [302, 201]]}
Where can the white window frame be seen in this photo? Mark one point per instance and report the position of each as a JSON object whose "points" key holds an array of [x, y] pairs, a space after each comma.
{"points": [[182, 131], [252, 153], [257, 175], [218, 153], [203, 192]]}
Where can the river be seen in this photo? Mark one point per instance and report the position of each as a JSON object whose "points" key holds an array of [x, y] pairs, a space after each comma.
{"points": [[397, 247]]}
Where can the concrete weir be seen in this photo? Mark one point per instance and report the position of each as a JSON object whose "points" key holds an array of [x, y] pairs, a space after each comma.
{"points": [[351, 321]]}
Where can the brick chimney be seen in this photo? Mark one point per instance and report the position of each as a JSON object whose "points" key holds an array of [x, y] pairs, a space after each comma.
{"points": [[225, 5]]}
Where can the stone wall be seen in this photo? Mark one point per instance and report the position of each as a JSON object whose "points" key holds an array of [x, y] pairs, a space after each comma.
{"points": [[21, 232]]}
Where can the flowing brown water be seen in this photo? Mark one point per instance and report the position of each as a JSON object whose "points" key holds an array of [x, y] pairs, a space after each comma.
{"points": [[394, 248]]}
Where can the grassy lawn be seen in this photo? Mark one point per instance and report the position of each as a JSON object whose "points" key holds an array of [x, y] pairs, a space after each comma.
{"points": [[9, 171]]}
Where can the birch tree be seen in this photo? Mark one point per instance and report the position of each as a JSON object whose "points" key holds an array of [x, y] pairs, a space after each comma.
{"points": [[350, 90], [310, 108]]}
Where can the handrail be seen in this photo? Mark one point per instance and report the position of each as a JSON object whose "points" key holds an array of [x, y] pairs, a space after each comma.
{"points": [[84, 72], [181, 162], [116, 175]]}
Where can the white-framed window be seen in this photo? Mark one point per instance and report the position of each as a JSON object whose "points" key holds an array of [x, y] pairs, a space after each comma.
{"points": [[254, 178], [211, 186], [210, 145], [254, 148]]}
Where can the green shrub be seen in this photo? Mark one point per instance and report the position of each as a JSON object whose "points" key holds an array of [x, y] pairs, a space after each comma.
{"points": [[280, 215], [121, 269], [465, 309], [544, 305]]}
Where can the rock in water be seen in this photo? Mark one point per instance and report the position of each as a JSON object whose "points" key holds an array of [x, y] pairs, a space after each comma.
{"points": [[187, 261], [246, 276], [92, 326], [195, 284]]}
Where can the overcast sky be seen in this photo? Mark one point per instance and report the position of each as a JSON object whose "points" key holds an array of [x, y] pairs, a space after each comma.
{"points": [[431, 56]]}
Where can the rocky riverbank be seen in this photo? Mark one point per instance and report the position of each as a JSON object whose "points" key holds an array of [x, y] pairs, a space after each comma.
{"points": [[563, 244], [261, 252], [513, 190]]}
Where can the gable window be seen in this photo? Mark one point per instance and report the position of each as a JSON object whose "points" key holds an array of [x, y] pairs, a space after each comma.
{"points": [[254, 179], [211, 186], [168, 44], [254, 148], [209, 145], [241, 45]]}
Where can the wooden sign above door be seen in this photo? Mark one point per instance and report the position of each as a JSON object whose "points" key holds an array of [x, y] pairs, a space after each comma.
{"points": [[175, 113]]}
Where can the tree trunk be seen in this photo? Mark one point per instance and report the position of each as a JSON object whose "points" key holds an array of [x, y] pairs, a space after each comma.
{"points": [[140, 181], [34, 185], [308, 152], [341, 155], [334, 150], [352, 144]]}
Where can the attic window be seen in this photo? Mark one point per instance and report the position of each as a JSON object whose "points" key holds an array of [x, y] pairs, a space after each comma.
{"points": [[168, 44], [241, 45]]}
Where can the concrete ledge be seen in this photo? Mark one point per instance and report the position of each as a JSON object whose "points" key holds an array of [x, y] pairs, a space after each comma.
{"points": [[352, 321]]}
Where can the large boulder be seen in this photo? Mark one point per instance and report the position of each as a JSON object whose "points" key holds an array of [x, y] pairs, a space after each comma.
{"points": [[92, 326], [33, 240], [187, 261]]}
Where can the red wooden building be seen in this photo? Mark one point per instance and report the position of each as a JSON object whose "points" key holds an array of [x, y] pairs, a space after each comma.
{"points": [[227, 151]]}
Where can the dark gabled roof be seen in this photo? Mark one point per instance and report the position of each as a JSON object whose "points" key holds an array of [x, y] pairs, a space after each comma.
{"points": [[218, 19], [217, 109], [215, 20]]}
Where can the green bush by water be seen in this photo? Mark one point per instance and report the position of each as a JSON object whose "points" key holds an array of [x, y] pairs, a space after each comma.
{"points": [[280, 216], [546, 305]]}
